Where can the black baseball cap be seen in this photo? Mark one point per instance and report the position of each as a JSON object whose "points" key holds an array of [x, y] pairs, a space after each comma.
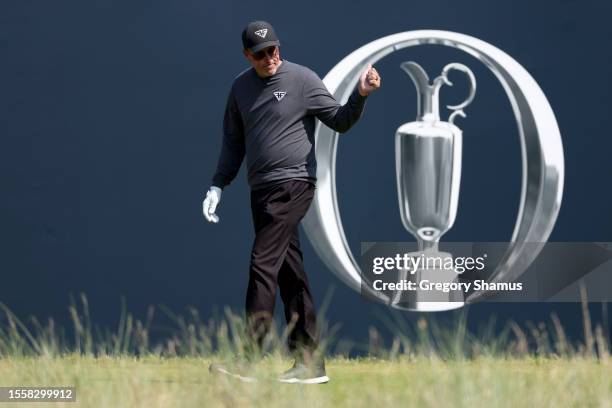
{"points": [[258, 35]]}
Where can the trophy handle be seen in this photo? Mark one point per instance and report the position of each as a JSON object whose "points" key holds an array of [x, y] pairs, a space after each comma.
{"points": [[458, 109]]}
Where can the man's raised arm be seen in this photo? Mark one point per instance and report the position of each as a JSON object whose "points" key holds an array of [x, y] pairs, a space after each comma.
{"points": [[324, 106]]}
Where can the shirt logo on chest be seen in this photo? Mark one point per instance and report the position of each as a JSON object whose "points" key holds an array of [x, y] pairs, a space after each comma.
{"points": [[262, 33], [279, 95]]}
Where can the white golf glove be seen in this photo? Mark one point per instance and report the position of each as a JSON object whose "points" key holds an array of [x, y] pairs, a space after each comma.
{"points": [[213, 196]]}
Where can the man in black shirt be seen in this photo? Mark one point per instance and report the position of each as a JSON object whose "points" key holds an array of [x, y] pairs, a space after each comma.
{"points": [[270, 118]]}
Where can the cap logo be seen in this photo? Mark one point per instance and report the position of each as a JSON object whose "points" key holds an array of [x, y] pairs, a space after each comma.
{"points": [[262, 33], [280, 95]]}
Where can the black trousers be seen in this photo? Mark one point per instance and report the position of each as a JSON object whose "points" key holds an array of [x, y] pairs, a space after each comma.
{"points": [[276, 259]]}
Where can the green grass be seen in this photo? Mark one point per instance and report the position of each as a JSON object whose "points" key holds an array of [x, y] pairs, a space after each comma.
{"points": [[428, 363], [429, 382]]}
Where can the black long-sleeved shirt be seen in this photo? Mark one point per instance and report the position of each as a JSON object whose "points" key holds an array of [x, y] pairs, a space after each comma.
{"points": [[272, 120]]}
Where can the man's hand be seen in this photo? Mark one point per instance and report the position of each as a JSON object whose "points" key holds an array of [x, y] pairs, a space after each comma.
{"points": [[213, 196], [369, 81]]}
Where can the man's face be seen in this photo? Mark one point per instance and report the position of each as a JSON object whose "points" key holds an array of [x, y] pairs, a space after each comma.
{"points": [[264, 61]]}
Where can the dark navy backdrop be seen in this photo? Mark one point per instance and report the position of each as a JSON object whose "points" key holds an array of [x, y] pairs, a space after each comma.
{"points": [[111, 111]]}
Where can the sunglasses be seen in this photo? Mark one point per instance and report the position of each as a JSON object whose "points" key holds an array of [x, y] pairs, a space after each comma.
{"points": [[259, 55]]}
